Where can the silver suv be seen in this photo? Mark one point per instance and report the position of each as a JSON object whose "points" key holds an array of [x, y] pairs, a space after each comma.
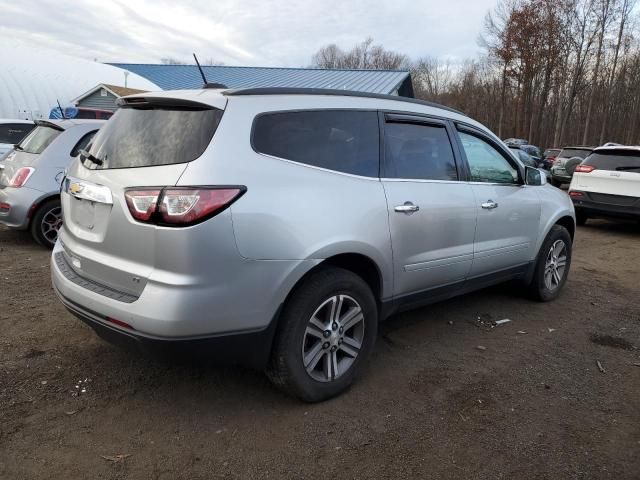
{"points": [[278, 227]]}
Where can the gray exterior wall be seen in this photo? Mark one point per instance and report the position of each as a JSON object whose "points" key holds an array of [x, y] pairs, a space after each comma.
{"points": [[96, 100]]}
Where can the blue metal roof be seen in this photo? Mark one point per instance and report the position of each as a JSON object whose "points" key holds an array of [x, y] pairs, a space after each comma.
{"points": [[173, 77]]}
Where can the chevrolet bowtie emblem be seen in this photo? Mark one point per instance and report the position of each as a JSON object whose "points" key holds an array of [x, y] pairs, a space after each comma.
{"points": [[76, 188]]}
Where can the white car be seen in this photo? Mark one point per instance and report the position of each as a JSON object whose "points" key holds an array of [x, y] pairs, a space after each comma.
{"points": [[11, 132], [607, 184]]}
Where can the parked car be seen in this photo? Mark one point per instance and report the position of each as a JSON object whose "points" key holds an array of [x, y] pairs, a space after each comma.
{"points": [[566, 162], [516, 141], [85, 113], [533, 151], [30, 176], [268, 225], [527, 160], [11, 132], [549, 156], [607, 184]]}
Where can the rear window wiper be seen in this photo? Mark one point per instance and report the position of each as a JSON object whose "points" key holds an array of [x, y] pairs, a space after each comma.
{"points": [[87, 156], [630, 167]]}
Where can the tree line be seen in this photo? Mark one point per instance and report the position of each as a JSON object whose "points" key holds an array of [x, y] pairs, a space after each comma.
{"points": [[555, 72]]}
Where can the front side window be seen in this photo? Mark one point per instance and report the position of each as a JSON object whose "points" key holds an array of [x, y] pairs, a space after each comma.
{"points": [[418, 151], [486, 164], [39, 139], [342, 140]]}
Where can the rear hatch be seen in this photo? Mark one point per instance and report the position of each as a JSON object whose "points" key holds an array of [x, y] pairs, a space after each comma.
{"points": [[610, 176], [147, 143], [28, 151]]}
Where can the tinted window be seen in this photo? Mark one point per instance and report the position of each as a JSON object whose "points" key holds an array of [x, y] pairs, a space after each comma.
{"points": [[416, 151], [145, 137], [39, 139], [82, 143], [341, 140], [574, 152], [14, 132], [617, 160], [485, 162]]}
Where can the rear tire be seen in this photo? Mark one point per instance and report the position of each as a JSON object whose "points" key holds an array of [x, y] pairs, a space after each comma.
{"points": [[552, 265], [46, 222], [313, 354]]}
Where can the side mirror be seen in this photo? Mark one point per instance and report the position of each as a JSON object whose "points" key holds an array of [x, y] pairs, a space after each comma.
{"points": [[534, 176]]}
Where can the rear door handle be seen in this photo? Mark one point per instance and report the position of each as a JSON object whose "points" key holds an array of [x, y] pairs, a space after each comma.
{"points": [[408, 207], [490, 205]]}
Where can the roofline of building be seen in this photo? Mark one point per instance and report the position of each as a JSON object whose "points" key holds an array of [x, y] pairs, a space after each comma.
{"points": [[262, 68], [93, 90]]}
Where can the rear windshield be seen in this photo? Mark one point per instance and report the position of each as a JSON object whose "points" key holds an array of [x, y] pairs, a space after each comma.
{"points": [[574, 152], [617, 160], [14, 132], [39, 139], [147, 137]]}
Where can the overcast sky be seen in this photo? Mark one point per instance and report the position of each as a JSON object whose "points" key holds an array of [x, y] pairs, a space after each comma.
{"points": [[243, 32]]}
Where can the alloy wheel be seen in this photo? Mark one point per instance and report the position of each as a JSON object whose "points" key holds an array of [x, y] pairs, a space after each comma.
{"points": [[50, 224], [555, 265], [333, 338]]}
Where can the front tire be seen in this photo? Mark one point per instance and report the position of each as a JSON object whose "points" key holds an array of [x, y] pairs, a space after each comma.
{"points": [[552, 265], [46, 222], [325, 335]]}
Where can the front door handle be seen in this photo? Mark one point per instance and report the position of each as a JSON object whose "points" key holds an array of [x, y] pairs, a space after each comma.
{"points": [[408, 207], [490, 205]]}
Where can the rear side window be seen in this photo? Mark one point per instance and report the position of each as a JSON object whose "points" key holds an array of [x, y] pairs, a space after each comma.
{"points": [[39, 139], [151, 136], [618, 160], [574, 152], [342, 140], [418, 151], [82, 143], [14, 132]]}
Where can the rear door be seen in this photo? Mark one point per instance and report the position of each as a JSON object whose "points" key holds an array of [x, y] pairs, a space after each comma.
{"points": [[432, 213], [146, 145], [508, 211]]}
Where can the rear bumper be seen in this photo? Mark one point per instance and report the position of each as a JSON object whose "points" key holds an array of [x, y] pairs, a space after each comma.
{"points": [[251, 348], [20, 200], [599, 209]]}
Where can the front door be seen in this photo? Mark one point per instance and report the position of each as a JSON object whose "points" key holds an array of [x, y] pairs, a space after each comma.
{"points": [[508, 211], [432, 214]]}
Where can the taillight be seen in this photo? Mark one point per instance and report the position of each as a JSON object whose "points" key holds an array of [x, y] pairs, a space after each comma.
{"points": [[180, 206], [142, 203], [21, 176], [585, 168], [575, 194]]}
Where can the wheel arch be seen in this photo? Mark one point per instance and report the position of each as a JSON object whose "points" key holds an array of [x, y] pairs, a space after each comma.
{"points": [[38, 203]]}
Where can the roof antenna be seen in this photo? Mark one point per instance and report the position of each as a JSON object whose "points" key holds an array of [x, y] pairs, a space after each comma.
{"points": [[204, 78], [61, 110]]}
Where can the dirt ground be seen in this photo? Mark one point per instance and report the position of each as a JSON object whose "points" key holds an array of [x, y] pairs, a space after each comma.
{"points": [[432, 404]]}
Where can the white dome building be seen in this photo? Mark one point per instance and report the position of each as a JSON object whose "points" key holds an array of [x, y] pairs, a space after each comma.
{"points": [[33, 80]]}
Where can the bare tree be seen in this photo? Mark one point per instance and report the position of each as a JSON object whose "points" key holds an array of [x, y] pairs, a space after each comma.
{"points": [[364, 55]]}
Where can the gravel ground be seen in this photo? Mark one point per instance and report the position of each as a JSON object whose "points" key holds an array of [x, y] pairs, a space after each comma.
{"points": [[531, 405]]}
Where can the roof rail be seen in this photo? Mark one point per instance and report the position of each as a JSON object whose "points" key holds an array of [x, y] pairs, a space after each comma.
{"points": [[328, 91]]}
